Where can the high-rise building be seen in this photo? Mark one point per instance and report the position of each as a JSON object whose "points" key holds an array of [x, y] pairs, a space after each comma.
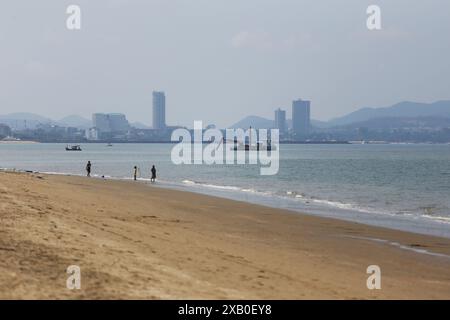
{"points": [[159, 110], [5, 131], [101, 122], [301, 120], [280, 120], [118, 122], [110, 122]]}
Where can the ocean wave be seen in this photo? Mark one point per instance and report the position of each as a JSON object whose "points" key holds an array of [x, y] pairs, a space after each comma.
{"points": [[332, 204], [359, 208], [209, 185], [437, 218], [401, 246], [225, 188], [320, 203]]}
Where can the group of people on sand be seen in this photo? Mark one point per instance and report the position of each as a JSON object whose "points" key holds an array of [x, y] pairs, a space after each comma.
{"points": [[135, 171]]}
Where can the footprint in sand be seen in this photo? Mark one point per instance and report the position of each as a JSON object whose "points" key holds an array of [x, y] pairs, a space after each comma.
{"points": [[6, 198]]}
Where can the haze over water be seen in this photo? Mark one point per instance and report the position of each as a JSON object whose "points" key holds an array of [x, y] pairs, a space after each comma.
{"points": [[398, 186]]}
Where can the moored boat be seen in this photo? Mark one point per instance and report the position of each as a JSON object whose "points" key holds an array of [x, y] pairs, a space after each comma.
{"points": [[73, 148]]}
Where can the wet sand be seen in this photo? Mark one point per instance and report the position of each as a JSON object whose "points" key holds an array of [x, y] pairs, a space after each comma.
{"points": [[135, 241]]}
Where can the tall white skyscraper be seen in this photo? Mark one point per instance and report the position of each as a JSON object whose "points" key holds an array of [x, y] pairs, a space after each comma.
{"points": [[159, 110], [301, 120]]}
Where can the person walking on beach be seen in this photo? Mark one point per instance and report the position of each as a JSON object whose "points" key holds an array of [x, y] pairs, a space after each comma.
{"points": [[88, 168], [135, 173], [153, 174]]}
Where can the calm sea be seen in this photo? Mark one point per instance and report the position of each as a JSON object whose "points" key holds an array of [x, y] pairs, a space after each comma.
{"points": [[399, 186]]}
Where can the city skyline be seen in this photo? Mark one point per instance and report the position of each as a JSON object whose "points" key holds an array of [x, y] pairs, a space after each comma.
{"points": [[251, 58], [106, 123]]}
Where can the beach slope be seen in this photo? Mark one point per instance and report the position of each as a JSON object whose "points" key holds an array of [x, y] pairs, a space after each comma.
{"points": [[133, 241]]}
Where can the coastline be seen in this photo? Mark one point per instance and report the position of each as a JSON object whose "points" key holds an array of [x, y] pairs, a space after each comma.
{"points": [[136, 241], [18, 142], [414, 202], [431, 225]]}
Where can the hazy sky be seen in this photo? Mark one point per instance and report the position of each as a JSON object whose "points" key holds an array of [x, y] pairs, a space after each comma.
{"points": [[218, 61]]}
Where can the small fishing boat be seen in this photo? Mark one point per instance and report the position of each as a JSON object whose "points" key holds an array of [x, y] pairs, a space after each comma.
{"points": [[73, 148]]}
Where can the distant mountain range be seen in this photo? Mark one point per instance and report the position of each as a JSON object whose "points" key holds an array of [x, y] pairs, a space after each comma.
{"points": [[22, 120], [399, 115], [75, 121], [389, 123], [257, 122], [400, 110]]}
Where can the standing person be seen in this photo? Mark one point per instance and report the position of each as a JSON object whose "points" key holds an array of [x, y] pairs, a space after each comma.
{"points": [[135, 173], [88, 168], [153, 174]]}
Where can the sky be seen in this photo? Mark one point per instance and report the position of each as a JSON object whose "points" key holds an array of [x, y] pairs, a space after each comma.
{"points": [[219, 61]]}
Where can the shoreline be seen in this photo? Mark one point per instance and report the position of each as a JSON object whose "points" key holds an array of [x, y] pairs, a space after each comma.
{"points": [[136, 241], [423, 225], [18, 142], [331, 142]]}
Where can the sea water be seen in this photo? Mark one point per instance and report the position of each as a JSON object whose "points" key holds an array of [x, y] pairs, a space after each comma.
{"points": [[400, 186]]}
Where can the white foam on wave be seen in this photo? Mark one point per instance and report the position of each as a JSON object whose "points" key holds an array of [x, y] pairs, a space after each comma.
{"points": [[305, 200], [437, 218], [333, 204], [352, 207], [401, 246], [221, 187], [358, 208], [213, 186]]}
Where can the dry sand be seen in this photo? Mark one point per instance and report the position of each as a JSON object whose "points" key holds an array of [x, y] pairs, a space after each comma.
{"points": [[133, 241]]}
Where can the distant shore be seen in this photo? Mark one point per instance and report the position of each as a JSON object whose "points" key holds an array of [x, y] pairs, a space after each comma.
{"points": [[281, 142], [135, 241], [17, 142]]}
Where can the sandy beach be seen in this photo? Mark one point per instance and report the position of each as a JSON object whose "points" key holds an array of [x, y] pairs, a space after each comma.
{"points": [[135, 241]]}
